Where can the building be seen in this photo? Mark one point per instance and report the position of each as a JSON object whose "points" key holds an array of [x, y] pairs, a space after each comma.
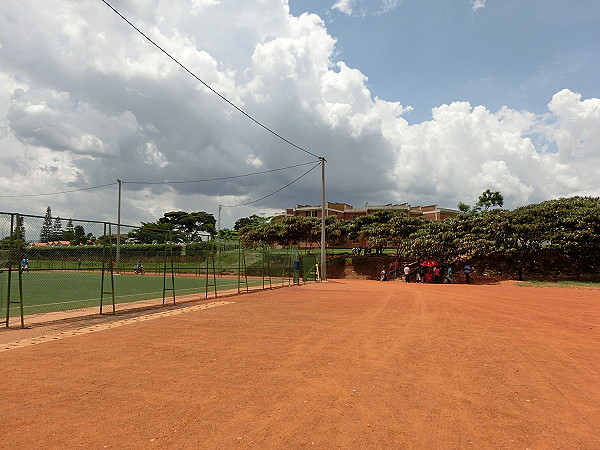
{"points": [[348, 212]]}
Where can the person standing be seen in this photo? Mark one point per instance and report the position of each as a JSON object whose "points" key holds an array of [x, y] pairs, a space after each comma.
{"points": [[467, 269], [25, 264], [406, 274], [383, 274], [449, 275], [436, 274]]}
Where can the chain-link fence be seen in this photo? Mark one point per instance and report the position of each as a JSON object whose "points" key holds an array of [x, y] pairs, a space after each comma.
{"points": [[53, 268]]}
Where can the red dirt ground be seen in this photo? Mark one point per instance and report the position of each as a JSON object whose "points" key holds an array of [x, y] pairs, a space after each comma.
{"points": [[342, 364]]}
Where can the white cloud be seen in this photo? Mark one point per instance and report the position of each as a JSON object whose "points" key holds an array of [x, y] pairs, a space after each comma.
{"points": [[476, 5], [389, 5], [85, 101], [344, 6], [365, 7], [254, 161]]}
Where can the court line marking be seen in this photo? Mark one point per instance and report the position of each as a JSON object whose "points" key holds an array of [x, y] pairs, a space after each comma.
{"points": [[106, 326]]}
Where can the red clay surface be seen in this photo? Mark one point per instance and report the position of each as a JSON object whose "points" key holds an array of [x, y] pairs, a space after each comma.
{"points": [[343, 364]]}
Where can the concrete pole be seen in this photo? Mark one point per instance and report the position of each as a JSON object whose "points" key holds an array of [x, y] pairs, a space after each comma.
{"points": [[323, 216], [118, 262], [219, 221]]}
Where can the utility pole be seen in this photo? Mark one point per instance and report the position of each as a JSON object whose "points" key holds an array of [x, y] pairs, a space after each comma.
{"points": [[119, 230], [219, 221], [323, 214]]}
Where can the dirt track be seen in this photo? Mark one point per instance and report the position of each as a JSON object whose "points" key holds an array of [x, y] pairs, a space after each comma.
{"points": [[343, 364]]}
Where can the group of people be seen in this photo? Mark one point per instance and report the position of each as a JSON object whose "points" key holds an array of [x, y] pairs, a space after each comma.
{"points": [[424, 275], [428, 275], [367, 250]]}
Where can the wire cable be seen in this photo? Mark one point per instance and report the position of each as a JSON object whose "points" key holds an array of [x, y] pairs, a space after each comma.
{"points": [[206, 85], [220, 178], [273, 193], [57, 193]]}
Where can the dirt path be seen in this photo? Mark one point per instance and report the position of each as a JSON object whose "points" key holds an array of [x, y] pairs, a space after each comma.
{"points": [[343, 364]]}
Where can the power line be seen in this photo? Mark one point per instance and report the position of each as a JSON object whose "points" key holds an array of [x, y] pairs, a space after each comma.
{"points": [[160, 182], [273, 193], [57, 193], [220, 178], [206, 85]]}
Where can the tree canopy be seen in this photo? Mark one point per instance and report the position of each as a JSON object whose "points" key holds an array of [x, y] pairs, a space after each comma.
{"points": [[561, 235]]}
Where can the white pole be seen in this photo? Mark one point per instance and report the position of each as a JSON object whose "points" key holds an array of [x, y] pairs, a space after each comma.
{"points": [[323, 215], [219, 221]]}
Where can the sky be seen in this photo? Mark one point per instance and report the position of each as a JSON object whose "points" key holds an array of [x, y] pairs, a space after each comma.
{"points": [[416, 101]]}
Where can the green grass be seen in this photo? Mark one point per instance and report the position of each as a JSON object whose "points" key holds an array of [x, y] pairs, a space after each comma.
{"points": [[61, 291], [591, 284]]}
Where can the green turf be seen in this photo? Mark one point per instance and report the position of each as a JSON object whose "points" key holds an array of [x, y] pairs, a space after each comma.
{"points": [[45, 291]]}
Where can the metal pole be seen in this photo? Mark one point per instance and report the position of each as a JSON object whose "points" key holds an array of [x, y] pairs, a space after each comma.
{"points": [[323, 214], [118, 261]]}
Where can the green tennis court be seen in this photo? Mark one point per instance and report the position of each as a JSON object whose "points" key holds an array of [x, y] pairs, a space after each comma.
{"points": [[50, 291]]}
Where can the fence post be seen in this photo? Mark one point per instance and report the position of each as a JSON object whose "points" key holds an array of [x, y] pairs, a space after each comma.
{"points": [[210, 258], [107, 249], [242, 267], [165, 288], [15, 241]]}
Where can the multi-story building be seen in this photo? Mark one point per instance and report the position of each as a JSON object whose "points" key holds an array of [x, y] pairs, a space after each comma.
{"points": [[348, 212]]}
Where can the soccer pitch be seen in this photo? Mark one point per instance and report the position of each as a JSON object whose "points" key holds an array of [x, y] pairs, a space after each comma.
{"points": [[47, 291]]}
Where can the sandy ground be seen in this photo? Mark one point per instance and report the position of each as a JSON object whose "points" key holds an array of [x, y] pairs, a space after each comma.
{"points": [[342, 364]]}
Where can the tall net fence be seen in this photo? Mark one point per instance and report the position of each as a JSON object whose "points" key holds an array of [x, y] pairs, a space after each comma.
{"points": [[53, 268]]}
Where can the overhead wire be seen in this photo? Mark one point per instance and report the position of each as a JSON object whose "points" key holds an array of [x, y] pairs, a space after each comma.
{"points": [[273, 193], [195, 181], [175, 182], [219, 178], [57, 193], [206, 85]]}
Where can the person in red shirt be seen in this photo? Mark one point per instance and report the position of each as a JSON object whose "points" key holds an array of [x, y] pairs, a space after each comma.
{"points": [[436, 274]]}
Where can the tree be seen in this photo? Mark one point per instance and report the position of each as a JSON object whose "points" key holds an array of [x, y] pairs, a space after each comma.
{"points": [[336, 231], [19, 232], [17, 240], [435, 240], [46, 231], [376, 234], [298, 229], [400, 228], [79, 236], [228, 234], [152, 232], [463, 207], [57, 230], [252, 221], [269, 233], [357, 224], [291, 231], [489, 199], [69, 233], [190, 224]]}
